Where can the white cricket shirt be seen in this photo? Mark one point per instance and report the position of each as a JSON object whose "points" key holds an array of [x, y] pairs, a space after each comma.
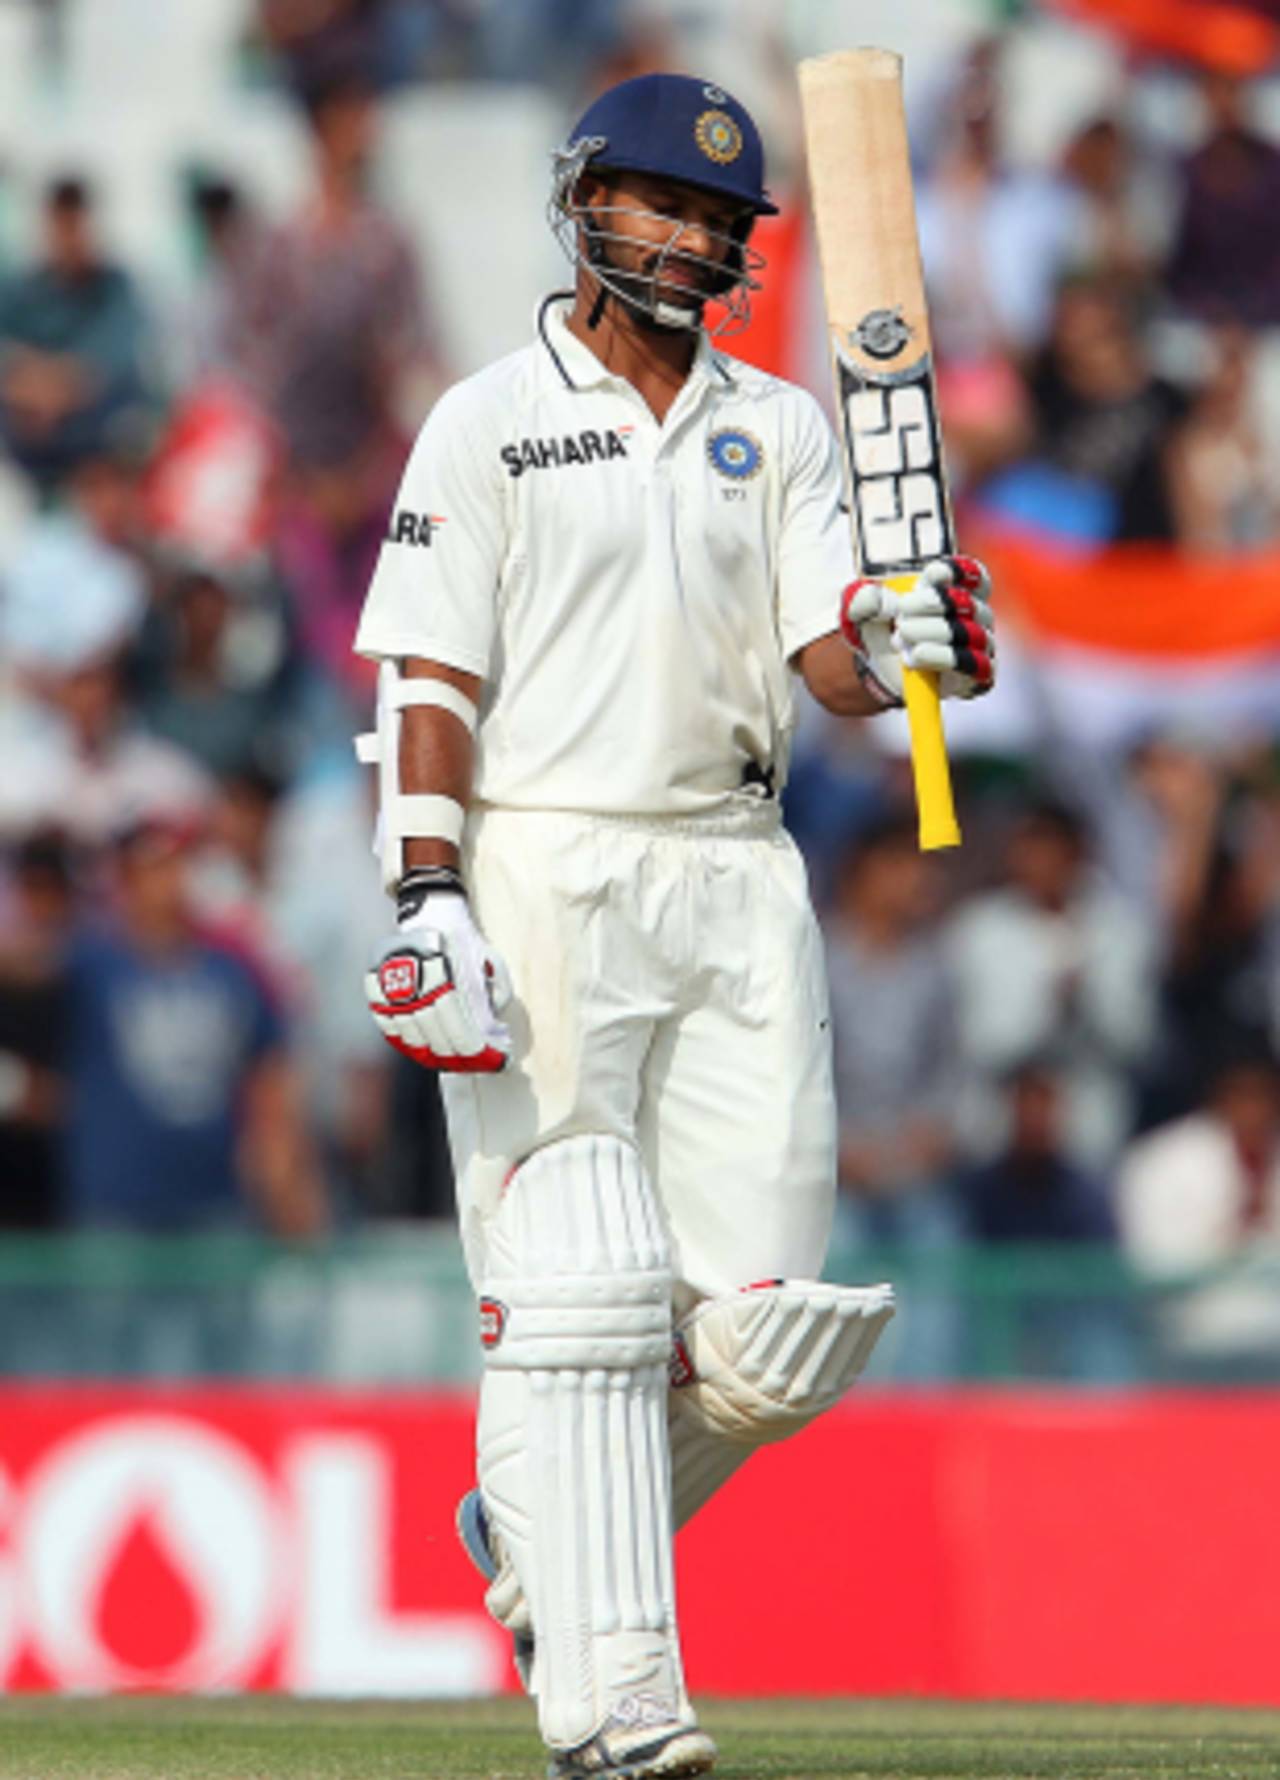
{"points": [[631, 592]]}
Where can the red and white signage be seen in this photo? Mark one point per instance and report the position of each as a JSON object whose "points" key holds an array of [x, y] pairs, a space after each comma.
{"points": [[216, 1541], [973, 1546]]}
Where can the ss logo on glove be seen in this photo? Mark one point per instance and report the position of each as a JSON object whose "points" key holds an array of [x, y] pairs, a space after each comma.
{"points": [[435, 991]]}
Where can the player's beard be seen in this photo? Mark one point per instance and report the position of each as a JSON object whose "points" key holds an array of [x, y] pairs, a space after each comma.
{"points": [[644, 293]]}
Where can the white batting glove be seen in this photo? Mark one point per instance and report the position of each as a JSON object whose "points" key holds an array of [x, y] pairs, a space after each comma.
{"points": [[943, 624], [436, 989]]}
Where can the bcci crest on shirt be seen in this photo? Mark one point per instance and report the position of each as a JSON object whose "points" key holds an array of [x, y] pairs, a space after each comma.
{"points": [[735, 454]]}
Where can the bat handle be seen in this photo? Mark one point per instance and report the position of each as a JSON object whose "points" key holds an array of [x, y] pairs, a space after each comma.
{"points": [[935, 805]]}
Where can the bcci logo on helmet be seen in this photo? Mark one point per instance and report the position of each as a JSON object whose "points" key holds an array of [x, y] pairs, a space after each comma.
{"points": [[718, 137]]}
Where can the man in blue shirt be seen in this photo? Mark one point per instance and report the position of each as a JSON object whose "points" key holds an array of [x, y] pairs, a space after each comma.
{"points": [[182, 1106]]}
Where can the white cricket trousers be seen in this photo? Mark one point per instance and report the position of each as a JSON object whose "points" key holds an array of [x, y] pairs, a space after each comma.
{"points": [[669, 989]]}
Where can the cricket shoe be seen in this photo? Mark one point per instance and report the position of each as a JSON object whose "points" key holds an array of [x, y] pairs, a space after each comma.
{"points": [[655, 1753], [504, 1597]]}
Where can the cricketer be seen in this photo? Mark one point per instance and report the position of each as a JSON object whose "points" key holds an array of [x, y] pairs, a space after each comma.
{"points": [[611, 553]]}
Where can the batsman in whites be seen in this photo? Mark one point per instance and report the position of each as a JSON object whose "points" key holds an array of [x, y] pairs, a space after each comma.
{"points": [[612, 553]]}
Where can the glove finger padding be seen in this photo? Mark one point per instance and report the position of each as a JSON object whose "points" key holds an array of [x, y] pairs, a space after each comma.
{"points": [[868, 602], [867, 612], [434, 994], [945, 624]]}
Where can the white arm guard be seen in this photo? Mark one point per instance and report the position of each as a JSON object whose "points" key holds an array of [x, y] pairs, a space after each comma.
{"points": [[401, 815]]}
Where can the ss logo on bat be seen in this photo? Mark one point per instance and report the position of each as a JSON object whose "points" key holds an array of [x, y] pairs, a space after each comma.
{"points": [[895, 467]]}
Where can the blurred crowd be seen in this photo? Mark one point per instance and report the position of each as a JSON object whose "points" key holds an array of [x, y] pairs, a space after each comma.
{"points": [[1100, 322], [1066, 1033]]}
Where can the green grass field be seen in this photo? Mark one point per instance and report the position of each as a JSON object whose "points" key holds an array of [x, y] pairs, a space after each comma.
{"points": [[267, 1739]]}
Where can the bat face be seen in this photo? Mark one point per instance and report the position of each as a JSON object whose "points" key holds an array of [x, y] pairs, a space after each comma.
{"points": [[864, 210], [864, 213], [893, 450]]}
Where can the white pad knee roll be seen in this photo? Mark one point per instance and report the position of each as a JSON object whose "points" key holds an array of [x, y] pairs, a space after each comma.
{"points": [[573, 1442], [756, 1366], [578, 1274]]}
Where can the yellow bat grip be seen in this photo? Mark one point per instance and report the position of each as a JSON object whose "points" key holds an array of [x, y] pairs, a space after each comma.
{"points": [[935, 805]]}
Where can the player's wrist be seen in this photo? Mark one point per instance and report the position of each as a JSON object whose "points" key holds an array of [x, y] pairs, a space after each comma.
{"points": [[421, 882], [879, 686], [882, 695]]}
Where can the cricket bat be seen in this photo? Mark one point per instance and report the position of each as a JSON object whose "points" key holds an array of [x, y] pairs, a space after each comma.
{"points": [[887, 411]]}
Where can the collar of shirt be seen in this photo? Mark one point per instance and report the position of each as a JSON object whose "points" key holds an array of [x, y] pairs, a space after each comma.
{"points": [[575, 366]]}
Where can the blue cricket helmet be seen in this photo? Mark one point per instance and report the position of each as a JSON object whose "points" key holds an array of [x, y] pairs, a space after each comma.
{"points": [[674, 126]]}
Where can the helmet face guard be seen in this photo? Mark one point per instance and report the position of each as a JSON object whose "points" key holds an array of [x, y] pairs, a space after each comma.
{"points": [[587, 234]]}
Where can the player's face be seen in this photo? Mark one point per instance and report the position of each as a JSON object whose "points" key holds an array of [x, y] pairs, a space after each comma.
{"points": [[658, 228]]}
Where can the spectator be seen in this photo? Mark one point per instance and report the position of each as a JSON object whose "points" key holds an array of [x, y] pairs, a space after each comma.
{"points": [[34, 928], [71, 346], [211, 331], [391, 40], [75, 583], [1116, 240], [1203, 1194], [182, 1107], [836, 785], [1052, 960], [1096, 468], [341, 321], [995, 240], [290, 872], [1224, 265], [1214, 901], [217, 685], [313, 40], [565, 45], [893, 1025], [341, 299], [1035, 1196], [1032, 1191], [1219, 476], [75, 750]]}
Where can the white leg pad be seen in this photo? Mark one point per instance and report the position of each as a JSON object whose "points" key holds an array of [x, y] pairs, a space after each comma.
{"points": [[573, 1440], [758, 1365], [702, 1460]]}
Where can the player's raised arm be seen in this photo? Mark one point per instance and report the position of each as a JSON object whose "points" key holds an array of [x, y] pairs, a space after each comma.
{"points": [[851, 649]]}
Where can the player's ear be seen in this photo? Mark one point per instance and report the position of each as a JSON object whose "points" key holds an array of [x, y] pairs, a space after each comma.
{"points": [[735, 265], [591, 191], [591, 195]]}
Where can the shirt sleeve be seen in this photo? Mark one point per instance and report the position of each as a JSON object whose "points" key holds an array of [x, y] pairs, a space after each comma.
{"points": [[815, 551], [265, 1028], [434, 590]]}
